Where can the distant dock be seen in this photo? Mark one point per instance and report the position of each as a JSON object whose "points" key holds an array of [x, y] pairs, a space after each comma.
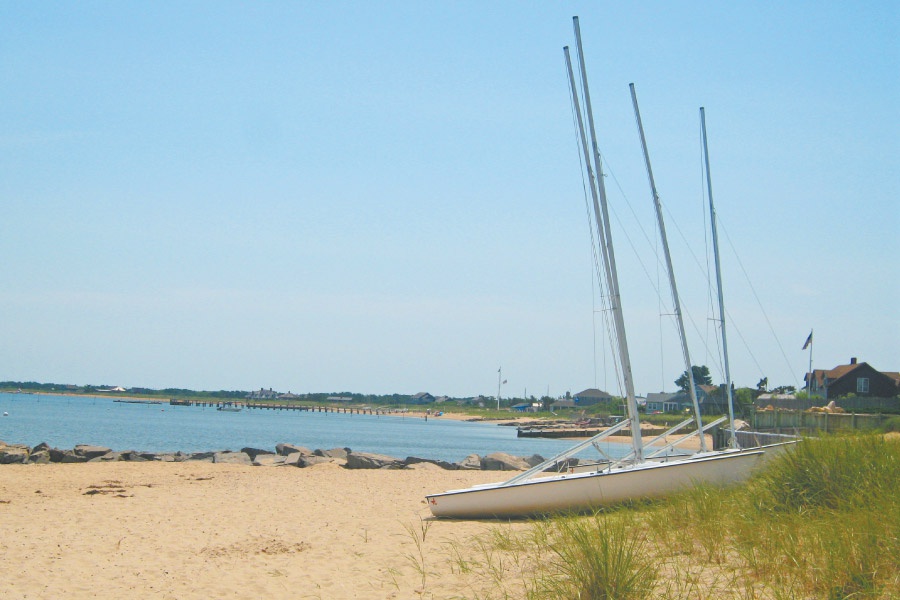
{"points": [[137, 401], [356, 410], [557, 432]]}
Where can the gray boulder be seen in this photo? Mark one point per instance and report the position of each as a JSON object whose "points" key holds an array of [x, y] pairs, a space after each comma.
{"points": [[366, 460], [233, 458], [287, 449], [202, 456], [534, 460], [293, 459], [88, 452], [308, 461], [501, 461], [254, 452], [41, 457], [15, 454], [69, 456], [333, 453], [268, 459], [415, 460], [470, 463], [111, 456]]}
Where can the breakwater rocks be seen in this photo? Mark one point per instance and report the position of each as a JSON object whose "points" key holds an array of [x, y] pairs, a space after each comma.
{"points": [[285, 455]]}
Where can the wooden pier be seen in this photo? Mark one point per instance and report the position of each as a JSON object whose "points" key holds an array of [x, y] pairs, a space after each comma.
{"points": [[247, 404]]}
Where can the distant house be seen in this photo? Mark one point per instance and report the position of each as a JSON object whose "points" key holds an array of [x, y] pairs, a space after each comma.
{"points": [[858, 378], [339, 399], [591, 396], [479, 401], [262, 394], [421, 398], [527, 407], [661, 402], [441, 399], [709, 397], [562, 404]]}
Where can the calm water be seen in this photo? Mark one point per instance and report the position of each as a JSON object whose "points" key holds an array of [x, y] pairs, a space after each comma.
{"points": [[64, 421]]}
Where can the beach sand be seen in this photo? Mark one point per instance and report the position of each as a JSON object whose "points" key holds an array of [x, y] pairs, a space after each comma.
{"points": [[202, 530]]}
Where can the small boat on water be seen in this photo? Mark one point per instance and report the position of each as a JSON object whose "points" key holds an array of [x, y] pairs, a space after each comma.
{"points": [[229, 407], [647, 471]]}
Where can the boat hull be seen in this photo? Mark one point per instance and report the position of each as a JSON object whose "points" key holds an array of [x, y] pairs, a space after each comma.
{"points": [[581, 492]]}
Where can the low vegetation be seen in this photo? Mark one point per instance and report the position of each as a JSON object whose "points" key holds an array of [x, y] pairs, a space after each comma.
{"points": [[820, 522]]}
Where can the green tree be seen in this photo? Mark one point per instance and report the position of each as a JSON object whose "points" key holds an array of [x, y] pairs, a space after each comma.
{"points": [[743, 403], [701, 377]]}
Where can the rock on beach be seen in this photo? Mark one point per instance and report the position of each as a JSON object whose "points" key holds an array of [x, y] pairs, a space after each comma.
{"points": [[290, 455]]}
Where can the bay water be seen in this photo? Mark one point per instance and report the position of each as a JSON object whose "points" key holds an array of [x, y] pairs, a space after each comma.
{"points": [[65, 421]]}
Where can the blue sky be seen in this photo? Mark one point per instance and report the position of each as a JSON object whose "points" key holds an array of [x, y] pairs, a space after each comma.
{"points": [[386, 197]]}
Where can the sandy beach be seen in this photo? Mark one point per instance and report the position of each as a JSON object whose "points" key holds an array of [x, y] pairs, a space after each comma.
{"points": [[201, 530]]}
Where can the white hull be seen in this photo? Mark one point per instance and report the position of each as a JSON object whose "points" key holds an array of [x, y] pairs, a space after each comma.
{"points": [[580, 492], [774, 450]]}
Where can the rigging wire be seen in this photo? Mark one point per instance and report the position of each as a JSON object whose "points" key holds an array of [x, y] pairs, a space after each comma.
{"points": [[661, 301], [656, 288], [732, 323], [759, 303], [600, 285], [705, 272]]}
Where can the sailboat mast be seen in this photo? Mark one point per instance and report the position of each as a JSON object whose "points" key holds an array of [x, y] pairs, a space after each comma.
{"points": [[715, 236], [674, 288], [615, 296]]}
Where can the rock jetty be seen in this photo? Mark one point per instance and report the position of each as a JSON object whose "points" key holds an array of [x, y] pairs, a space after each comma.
{"points": [[284, 455]]}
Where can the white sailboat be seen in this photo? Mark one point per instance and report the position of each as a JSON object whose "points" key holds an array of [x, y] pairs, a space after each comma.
{"points": [[646, 471]]}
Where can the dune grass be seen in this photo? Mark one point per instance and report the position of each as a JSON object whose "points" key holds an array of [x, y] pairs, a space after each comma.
{"points": [[822, 521]]}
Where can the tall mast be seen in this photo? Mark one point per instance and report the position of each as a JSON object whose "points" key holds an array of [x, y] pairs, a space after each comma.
{"points": [[613, 279], [715, 236], [636, 446], [665, 242]]}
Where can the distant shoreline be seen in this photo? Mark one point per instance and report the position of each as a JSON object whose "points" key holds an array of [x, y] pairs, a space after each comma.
{"points": [[693, 444]]}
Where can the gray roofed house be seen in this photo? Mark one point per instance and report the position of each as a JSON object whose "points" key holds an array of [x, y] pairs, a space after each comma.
{"points": [[707, 396], [661, 402], [421, 398], [563, 404], [591, 396]]}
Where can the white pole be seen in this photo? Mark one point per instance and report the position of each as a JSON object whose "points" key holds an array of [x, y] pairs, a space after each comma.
{"points": [[499, 375], [715, 236], [674, 289], [616, 299]]}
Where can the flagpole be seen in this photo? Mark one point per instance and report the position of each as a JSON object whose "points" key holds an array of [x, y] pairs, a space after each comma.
{"points": [[809, 382], [499, 376]]}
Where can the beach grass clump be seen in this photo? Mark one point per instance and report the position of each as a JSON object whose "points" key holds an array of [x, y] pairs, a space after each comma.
{"points": [[820, 521], [600, 557], [833, 473]]}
